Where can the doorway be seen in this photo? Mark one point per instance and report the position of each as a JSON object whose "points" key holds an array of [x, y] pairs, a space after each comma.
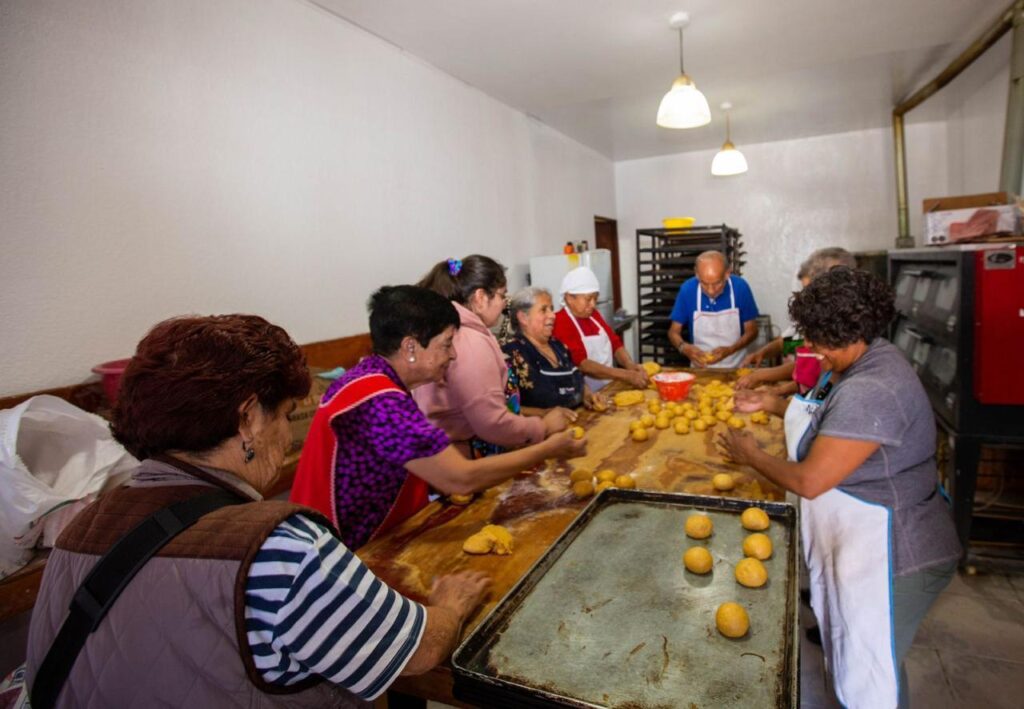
{"points": [[606, 236]]}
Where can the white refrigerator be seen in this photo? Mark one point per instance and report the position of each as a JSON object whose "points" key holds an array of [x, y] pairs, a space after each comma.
{"points": [[548, 272]]}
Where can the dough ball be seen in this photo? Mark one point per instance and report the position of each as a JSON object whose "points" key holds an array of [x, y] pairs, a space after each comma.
{"points": [[682, 426], [698, 560], [603, 486], [731, 620], [582, 488], [640, 435], [699, 526], [751, 573], [723, 415], [758, 546], [709, 421], [654, 407], [755, 519], [456, 499], [690, 414], [578, 432], [604, 475], [700, 425], [736, 422], [581, 474], [723, 482], [625, 481], [501, 536], [634, 425], [662, 421], [478, 544], [647, 420]]}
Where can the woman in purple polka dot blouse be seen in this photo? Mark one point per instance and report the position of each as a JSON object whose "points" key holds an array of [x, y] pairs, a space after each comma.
{"points": [[371, 453]]}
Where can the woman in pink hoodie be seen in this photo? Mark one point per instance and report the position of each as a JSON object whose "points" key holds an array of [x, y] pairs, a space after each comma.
{"points": [[477, 405]]}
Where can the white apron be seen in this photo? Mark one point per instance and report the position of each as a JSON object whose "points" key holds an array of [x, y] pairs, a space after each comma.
{"points": [[848, 550], [598, 347], [712, 330]]}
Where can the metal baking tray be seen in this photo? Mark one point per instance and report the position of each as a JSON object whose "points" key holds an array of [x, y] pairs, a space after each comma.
{"points": [[609, 616]]}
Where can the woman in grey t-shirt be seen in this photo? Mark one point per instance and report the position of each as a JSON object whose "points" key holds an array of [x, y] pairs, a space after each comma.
{"points": [[878, 536]]}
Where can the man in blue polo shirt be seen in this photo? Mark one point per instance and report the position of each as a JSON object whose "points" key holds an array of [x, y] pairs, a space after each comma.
{"points": [[718, 311]]}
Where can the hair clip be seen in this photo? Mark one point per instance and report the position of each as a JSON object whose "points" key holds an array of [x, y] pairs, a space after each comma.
{"points": [[454, 267]]}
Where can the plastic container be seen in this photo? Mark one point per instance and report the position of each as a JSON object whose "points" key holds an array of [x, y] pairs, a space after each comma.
{"points": [[678, 222], [673, 386], [111, 373]]}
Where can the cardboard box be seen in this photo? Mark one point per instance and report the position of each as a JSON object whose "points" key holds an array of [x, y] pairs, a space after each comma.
{"points": [[967, 201], [955, 225]]}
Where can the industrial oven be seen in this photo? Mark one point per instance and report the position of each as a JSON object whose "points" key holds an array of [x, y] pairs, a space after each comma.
{"points": [[960, 322]]}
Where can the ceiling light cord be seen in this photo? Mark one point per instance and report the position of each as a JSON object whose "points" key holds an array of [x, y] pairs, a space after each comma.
{"points": [[682, 70]]}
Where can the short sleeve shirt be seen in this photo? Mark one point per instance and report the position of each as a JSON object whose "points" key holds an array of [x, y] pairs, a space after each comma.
{"points": [[375, 441], [686, 303], [541, 383], [568, 335], [880, 399]]}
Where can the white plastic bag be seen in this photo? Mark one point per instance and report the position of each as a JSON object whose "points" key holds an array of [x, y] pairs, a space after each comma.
{"points": [[54, 459]]}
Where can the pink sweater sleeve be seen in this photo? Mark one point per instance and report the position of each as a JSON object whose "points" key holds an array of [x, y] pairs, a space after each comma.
{"points": [[476, 381]]}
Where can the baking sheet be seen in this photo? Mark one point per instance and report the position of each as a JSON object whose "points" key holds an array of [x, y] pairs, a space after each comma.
{"points": [[610, 616]]}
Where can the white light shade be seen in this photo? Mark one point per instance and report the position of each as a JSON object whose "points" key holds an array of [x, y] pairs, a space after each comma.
{"points": [[728, 161], [683, 106]]}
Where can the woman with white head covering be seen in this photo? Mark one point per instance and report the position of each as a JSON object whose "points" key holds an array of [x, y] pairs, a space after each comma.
{"points": [[593, 345]]}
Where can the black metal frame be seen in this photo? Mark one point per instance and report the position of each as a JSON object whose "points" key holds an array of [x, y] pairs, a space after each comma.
{"points": [[664, 260]]}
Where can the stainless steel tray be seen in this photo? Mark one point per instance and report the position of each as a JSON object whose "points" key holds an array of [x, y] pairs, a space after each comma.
{"points": [[609, 616]]}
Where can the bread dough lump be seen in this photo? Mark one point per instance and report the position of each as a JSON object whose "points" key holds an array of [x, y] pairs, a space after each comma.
{"points": [[492, 539], [755, 519], [731, 620], [758, 546], [698, 560], [699, 526], [751, 573]]}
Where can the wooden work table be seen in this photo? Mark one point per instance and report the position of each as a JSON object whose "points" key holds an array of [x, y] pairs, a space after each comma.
{"points": [[539, 504]]}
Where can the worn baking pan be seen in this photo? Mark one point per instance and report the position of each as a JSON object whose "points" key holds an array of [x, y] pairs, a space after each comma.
{"points": [[610, 617]]}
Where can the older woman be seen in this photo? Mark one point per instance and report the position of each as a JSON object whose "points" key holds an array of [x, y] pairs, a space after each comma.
{"points": [[594, 347], [546, 373], [879, 540], [477, 403], [251, 602], [372, 455]]}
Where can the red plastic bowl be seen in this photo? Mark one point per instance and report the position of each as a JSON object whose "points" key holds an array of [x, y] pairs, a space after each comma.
{"points": [[673, 386], [111, 373]]}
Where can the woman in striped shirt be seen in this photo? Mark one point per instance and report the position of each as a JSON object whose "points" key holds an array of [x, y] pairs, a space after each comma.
{"points": [[257, 603]]}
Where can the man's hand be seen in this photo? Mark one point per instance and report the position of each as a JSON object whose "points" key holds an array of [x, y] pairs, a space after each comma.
{"points": [[748, 401], [637, 376], [697, 356], [719, 353]]}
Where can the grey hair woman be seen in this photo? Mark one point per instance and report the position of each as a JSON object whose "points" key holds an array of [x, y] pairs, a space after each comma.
{"points": [[545, 370]]}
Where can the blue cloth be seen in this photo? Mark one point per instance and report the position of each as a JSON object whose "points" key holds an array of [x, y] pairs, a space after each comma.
{"points": [[686, 302]]}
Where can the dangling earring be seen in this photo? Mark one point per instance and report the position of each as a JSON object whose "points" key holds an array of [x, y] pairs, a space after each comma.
{"points": [[412, 358], [250, 452]]}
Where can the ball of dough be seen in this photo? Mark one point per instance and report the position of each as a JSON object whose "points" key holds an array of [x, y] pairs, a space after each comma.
{"points": [[640, 434], [731, 620], [604, 475], [698, 560], [699, 526], [723, 482], [625, 481], [647, 420], [654, 407], [603, 486], [755, 519], [581, 474], [736, 422], [751, 573], [709, 421], [578, 432], [662, 421], [634, 425], [690, 414], [758, 546], [682, 426], [583, 488], [723, 415], [700, 425], [478, 544]]}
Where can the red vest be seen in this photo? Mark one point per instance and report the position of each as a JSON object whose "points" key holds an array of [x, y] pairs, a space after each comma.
{"points": [[315, 476]]}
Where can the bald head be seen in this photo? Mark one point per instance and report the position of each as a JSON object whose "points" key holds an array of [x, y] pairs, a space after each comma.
{"points": [[712, 270]]}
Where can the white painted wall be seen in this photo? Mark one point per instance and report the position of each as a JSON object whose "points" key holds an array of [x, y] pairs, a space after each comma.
{"points": [[798, 196], [159, 158], [976, 108]]}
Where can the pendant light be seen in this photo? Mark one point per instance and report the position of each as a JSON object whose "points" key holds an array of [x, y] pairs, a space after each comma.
{"points": [[683, 106], [729, 160]]}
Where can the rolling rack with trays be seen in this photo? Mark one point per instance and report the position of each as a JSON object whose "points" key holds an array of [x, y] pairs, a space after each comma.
{"points": [[665, 258]]}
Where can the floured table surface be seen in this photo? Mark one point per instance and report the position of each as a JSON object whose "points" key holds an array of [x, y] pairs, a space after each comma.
{"points": [[538, 506]]}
